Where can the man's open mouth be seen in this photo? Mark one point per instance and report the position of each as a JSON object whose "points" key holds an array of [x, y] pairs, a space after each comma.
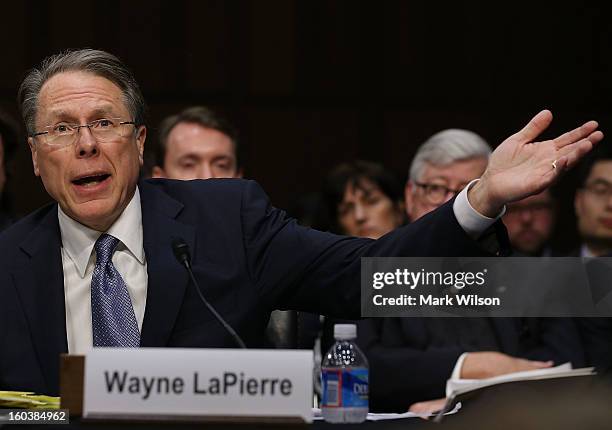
{"points": [[88, 181]]}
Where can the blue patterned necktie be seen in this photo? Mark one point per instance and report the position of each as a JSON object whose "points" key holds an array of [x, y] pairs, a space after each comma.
{"points": [[112, 313]]}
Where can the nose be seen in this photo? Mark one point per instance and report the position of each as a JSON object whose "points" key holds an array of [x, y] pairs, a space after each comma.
{"points": [[360, 214], [205, 172], [526, 215], [86, 144]]}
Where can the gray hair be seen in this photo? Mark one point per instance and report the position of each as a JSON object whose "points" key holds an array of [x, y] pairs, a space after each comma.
{"points": [[446, 147], [99, 63]]}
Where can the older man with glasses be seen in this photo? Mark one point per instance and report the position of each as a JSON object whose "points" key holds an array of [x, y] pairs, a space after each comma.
{"points": [[97, 268], [443, 166]]}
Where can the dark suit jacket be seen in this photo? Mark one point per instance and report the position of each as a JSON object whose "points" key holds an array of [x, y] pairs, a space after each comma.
{"points": [[407, 365], [248, 257]]}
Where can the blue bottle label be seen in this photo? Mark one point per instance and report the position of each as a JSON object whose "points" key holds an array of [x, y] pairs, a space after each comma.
{"points": [[345, 388]]}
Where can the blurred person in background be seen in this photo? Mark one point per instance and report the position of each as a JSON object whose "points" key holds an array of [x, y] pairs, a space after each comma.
{"points": [[364, 200], [9, 135], [442, 167], [197, 143], [412, 358], [530, 223], [593, 206]]}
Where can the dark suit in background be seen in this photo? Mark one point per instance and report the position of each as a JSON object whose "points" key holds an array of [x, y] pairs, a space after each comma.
{"points": [[412, 358], [248, 257]]}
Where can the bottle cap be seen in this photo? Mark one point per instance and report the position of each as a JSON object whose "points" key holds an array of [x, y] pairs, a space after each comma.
{"points": [[345, 331]]}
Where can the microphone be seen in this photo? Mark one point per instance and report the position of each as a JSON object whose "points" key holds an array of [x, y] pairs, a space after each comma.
{"points": [[181, 252]]}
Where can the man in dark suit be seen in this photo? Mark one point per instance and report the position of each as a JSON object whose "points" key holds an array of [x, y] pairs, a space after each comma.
{"points": [[97, 267]]}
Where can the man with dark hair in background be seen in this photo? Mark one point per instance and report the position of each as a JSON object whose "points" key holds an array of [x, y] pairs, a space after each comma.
{"points": [[9, 131], [197, 143], [593, 206], [530, 223]]}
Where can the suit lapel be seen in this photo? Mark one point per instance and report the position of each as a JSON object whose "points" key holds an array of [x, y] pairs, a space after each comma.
{"points": [[167, 279], [41, 292]]}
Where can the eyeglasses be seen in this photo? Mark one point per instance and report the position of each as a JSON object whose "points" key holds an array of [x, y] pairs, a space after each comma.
{"points": [[437, 193], [65, 134]]}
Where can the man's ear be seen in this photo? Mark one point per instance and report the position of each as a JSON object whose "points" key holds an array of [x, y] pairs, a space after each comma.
{"points": [[141, 136], [158, 172], [409, 197], [34, 151]]}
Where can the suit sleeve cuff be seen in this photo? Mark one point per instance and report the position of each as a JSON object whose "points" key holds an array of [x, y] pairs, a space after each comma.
{"points": [[471, 221]]}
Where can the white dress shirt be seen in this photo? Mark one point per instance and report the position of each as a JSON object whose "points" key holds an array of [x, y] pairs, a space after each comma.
{"points": [[79, 259]]}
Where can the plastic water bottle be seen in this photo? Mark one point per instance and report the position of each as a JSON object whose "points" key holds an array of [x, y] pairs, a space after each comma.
{"points": [[344, 376]]}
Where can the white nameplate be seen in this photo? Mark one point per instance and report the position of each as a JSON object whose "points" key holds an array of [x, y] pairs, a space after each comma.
{"points": [[173, 382]]}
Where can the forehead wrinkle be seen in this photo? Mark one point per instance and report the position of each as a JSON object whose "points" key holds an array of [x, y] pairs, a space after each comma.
{"points": [[64, 113], [64, 97]]}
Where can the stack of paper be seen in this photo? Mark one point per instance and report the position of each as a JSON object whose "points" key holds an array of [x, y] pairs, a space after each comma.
{"points": [[455, 387], [22, 399], [317, 415]]}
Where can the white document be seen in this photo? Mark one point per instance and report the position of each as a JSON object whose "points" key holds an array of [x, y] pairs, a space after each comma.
{"points": [[316, 415], [454, 387]]}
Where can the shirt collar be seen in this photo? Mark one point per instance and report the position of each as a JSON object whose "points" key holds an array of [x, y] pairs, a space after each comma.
{"points": [[79, 240], [585, 251]]}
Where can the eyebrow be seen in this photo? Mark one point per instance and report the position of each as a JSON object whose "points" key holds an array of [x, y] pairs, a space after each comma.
{"points": [[439, 178], [598, 181], [190, 156]]}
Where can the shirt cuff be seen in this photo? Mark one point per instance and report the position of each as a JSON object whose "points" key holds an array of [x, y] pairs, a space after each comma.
{"points": [[457, 369], [468, 218]]}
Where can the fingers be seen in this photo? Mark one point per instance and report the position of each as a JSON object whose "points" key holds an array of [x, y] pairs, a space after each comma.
{"points": [[535, 127], [525, 364], [541, 364], [596, 137], [572, 153], [428, 407], [575, 135]]}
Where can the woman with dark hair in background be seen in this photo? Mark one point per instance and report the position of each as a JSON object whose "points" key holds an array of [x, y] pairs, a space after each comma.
{"points": [[364, 199]]}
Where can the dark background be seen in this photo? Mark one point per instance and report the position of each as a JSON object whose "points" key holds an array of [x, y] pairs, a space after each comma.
{"points": [[311, 83]]}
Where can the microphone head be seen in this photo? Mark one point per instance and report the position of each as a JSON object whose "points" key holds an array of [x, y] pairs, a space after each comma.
{"points": [[181, 251]]}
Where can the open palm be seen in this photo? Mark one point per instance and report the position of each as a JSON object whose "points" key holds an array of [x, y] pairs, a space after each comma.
{"points": [[520, 167]]}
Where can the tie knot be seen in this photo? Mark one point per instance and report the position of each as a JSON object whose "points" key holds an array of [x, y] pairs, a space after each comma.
{"points": [[105, 246]]}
